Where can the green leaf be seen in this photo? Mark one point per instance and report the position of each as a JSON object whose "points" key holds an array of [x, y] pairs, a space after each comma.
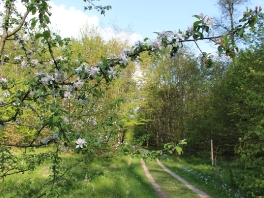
{"points": [[196, 23], [46, 34], [55, 119], [33, 23], [145, 39], [179, 150], [253, 21], [38, 35], [196, 16], [33, 10]]}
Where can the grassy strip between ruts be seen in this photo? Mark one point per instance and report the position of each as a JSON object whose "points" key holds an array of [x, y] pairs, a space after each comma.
{"points": [[113, 177], [218, 183], [169, 185]]}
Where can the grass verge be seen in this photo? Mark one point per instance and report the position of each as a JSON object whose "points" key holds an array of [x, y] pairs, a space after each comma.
{"points": [[219, 183]]}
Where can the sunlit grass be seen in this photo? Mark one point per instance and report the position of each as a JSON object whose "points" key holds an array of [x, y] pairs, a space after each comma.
{"points": [[104, 177]]}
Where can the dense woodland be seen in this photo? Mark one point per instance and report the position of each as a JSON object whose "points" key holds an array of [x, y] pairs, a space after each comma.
{"points": [[152, 101]]}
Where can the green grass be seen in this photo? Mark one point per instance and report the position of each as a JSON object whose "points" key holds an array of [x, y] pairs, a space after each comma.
{"points": [[169, 185], [104, 177], [219, 183]]}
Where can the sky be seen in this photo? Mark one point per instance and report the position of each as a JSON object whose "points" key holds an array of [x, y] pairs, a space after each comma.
{"points": [[136, 19]]}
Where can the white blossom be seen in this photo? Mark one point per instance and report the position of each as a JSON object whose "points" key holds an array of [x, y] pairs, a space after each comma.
{"points": [[166, 34], [34, 62], [83, 68], [80, 143], [78, 70], [6, 94], [94, 71], [70, 88], [123, 58], [1, 101], [208, 21], [156, 44], [24, 64], [179, 37], [18, 58], [46, 80], [190, 28], [51, 62], [67, 95], [60, 58], [111, 72], [41, 73], [3, 80], [79, 83], [59, 76]]}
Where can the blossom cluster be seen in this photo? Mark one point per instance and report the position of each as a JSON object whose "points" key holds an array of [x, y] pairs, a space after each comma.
{"points": [[175, 38]]}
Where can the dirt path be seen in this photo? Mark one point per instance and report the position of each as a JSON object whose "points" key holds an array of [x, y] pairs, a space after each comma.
{"points": [[157, 187], [152, 181], [187, 184]]}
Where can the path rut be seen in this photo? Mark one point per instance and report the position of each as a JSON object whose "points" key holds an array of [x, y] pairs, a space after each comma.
{"points": [[157, 188]]}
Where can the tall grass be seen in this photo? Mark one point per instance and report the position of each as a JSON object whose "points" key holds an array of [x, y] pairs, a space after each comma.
{"points": [[104, 177]]}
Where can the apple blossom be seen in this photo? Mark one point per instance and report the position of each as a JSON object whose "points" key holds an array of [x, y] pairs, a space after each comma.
{"points": [[51, 62], [80, 143], [59, 76], [156, 44], [179, 36], [78, 70], [219, 41], [67, 95], [79, 83], [166, 34], [18, 58], [70, 88], [46, 80], [24, 64], [111, 72], [201, 15], [41, 73], [208, 21], [34, 62], [123, 58], [94, 71], [190, 28]]}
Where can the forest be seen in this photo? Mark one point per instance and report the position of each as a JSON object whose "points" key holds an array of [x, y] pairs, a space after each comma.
{"points": [[93, 98]]}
